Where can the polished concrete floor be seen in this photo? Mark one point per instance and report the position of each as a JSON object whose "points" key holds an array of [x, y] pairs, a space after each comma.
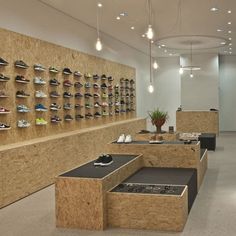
{"points": [[213, 212]]}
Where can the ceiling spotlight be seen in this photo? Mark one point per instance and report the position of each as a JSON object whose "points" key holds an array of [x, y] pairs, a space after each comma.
{"points": [[98, 45], [150, 88], [230, 39], [132, 27], [230, 48], [229, 31], [230, 52], [123, 14], [229, 11], [163, 45], [165, 50], [152, 41], [150, 33], [143, 35], [99, 4], [214, 9], [118, 18], [223, 43], [191, 75], [155, 65], [229, 23], [159, 46], [230, 44], [170, 54], [181, 71], [219, 30]]}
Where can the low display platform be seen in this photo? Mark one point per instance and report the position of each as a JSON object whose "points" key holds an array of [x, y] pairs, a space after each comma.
{"points": [[208, 140]]}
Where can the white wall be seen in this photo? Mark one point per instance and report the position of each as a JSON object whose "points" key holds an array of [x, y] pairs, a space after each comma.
{"points": [[33, 18], [202, 91], [167, 85], [227, 93]]}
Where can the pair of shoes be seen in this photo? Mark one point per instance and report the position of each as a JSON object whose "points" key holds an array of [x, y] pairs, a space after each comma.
{"points": [[124, 139], [40, 94], [40, 121], [3, 78], [22, 108], [21, 64], [40, 107], [23, 124], [104, 160], [39, 80], [22, 94], [4, 126], [39, 67]]}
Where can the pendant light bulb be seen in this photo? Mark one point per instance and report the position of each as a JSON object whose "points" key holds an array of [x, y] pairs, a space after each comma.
{"points": [[181, 71], [98, 45], [150, 33], [150, 88], [155, 65], [191, 75]]}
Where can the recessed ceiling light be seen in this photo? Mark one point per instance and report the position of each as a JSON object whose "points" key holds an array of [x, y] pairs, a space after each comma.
{"points": [[230, 52], [143, 35], [229, 23], [152, 41], [214, 9], [163, 45], [219, 30], [165, 50], [99, 4], [118, 18], [170, 54], [230, 48], [230, 44], [230, 39], [132, 27], [229, 11], [123, 14], [159, 46], [223, 43], [229, 31]]}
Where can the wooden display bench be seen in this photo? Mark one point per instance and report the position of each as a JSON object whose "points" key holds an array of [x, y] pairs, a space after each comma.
{"points": [[168, 154]]}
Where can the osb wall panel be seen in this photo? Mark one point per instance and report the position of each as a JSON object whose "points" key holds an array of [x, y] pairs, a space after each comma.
{"points": [[29, 166], [197, 121], [145, 211], [14, 47], [79, 203], [148, 136]]}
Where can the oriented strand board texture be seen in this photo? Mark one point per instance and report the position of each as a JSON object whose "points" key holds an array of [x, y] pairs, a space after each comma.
{"points": [[81, 202], [163, 155], [148, 136], [14, 47], [203, 167], [146, 211], [197, 121], [29, 166]]}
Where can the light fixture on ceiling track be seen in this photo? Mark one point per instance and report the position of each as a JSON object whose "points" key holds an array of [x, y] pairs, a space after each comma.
{"points": [[98, 42], [150, 32], [150, 87]]}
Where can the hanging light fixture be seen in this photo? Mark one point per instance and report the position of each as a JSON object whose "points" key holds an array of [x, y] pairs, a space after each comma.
{"points": [[181, 70], [150, 87], [150, 32], [98, 45], [155, 65]]}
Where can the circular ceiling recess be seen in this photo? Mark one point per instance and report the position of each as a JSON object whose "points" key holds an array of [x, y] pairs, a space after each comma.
{"points": [[184, 42]]}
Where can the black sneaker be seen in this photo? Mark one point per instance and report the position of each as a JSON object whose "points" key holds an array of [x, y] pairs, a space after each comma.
{"points": [[98, 162], [54, 82], [78, 117], [3, 78], [4, 126], [131, 81], [78, 85], [21, 79], [67, 95], [104, 160], [78, 106], [103, 86], [110, 78], [22, 94], [88, 95], [97, 115], [88, 116], [67, 71], [96, 86], [3, 62], [103, 77], [68, 118], [21, 64], [39, 67], [78, 95], [96, 77], [55, 119]]}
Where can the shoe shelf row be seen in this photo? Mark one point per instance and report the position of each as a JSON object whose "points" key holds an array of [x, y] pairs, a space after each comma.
{"points": [[65, 94]]}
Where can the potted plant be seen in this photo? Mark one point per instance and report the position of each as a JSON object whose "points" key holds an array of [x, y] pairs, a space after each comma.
{"points": [[158, 118]]}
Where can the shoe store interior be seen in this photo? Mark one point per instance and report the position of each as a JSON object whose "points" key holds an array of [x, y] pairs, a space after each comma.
{"points": [[117, 117]]}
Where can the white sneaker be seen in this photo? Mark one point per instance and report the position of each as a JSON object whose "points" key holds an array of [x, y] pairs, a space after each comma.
{"points": [[128, 139], [121, 139], [23, 124], [40, 94]]}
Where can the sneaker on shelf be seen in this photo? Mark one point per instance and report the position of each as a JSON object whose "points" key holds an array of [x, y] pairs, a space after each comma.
{"points": [[110, 87], [111, 104], [22, 108], [88, 116], [104, 95], [54, 94], [22, 94], [21, 64], [88, 106], [122, 80], [68, 118], [87, 76], [54, 82], [127, 81], [122, 111], [4, 126], [103, 86], [87, 85], [40, 107], [67, 83], [110, 113], [96, 95], [53, 70], [67, 95], [77, 74], [55, 119], [117, 104], [117, 111], [110, 95], [97, 104], [97, 115], [78, 117], [21, 79], [23, 124], [78, 85], [116, 86], [127, 95], [104, 160], [131, 81], [40, 121], [128, 138], [68, 106], [55, 107], [39, 80], [39, 67], [3, 78], [78, 95], [132, 95], [67, 71], [4, 110], [40, 94], [3, 94], [122, 102], [78, 106], [3, 62], [103, 77], [88, 95], [96, 86], [121, 139], [105, 113], [109, 78], [104, 104], [96, 77], [98, 162]]}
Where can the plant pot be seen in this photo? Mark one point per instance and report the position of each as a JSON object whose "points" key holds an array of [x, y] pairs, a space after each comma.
{"points": [[158, 123]]}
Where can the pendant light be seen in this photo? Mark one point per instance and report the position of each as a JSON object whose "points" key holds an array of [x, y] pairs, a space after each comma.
{"points": [[155, 65], [150, 32], [150, 87], [98, 45]]}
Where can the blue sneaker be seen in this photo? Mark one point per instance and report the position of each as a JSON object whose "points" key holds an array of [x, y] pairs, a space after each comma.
{"points": [[40, 107]]}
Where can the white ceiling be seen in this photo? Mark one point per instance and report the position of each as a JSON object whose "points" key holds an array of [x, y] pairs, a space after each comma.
{"points": [[170, 18]]}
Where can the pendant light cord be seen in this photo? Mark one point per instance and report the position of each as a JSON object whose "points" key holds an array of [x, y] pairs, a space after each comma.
{"points": [[98, 22], [150, 54]]}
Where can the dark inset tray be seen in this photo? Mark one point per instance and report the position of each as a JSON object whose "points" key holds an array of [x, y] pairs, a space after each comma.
{"points": [[164, 142], [149, 189]]}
